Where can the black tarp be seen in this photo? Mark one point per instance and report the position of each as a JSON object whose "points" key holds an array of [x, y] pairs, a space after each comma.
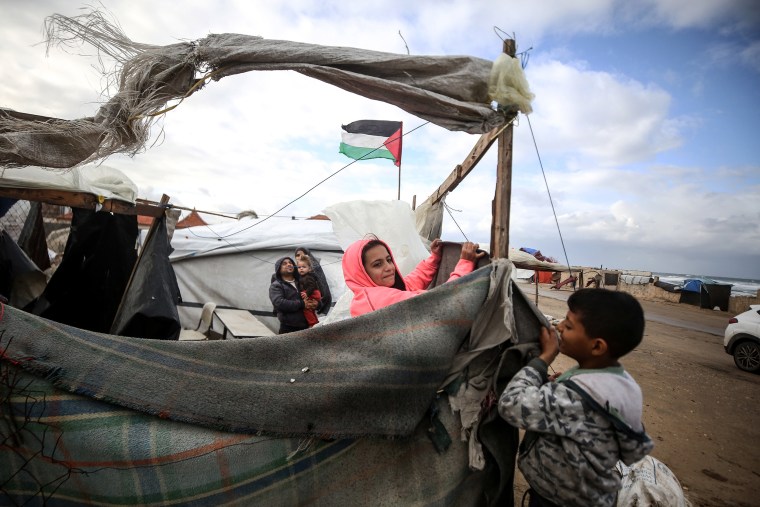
{"points": [[670, 287], [32, 239], [20, 279], [88, 285], [149, 309]]}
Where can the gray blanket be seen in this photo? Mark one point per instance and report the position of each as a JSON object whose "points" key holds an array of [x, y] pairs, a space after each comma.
{"points": [[372, 375]]}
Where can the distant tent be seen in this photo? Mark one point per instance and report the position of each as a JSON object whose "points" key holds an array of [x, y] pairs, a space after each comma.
{"points": [[534, 252], [543, 275], [191, 220], [705, 293]]}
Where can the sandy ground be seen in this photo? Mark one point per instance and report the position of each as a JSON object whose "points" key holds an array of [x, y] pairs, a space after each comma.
{"points": [[701, 411]]}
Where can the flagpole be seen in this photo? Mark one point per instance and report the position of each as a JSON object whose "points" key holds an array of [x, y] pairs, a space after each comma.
{"points": [[399, 181], [400, 141]]}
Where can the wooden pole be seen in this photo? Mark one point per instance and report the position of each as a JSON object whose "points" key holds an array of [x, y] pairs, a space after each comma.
{"points": [[84, 200], [460, 171], [399, 182], [400, 144], [503, 195]]}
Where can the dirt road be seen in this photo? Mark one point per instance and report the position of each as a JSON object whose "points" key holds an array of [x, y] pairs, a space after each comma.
{"points": [[701, 411]]}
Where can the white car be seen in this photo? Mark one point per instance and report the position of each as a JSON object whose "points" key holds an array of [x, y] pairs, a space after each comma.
{"points": [[742, 339]]}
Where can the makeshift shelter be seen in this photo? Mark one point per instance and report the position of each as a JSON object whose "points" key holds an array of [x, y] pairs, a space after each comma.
{"points": [[88, 289], [231, 264], [272, 420], [705, 293]]}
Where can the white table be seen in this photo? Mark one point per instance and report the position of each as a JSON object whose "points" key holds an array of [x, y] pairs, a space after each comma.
{"points": [[241, 324]]}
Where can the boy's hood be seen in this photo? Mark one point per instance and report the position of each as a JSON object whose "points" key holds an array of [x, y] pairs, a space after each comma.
{"points": [[598, 387]]}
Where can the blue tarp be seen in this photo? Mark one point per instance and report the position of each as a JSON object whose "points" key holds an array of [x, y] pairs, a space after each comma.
{"points": [[695, 284]]}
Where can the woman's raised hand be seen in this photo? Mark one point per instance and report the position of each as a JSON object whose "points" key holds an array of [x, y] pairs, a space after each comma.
{"points": [[470, 252], [436, 247]]}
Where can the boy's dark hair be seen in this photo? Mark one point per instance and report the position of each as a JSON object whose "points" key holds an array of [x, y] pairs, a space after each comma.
{"points": [[308, 283], [615, 317]]}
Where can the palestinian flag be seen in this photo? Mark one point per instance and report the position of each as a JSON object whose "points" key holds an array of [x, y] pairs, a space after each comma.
{"points": [[365, 139]]}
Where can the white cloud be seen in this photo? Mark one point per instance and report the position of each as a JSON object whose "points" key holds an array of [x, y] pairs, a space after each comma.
{"points": [[703, 14], [607, 118]]}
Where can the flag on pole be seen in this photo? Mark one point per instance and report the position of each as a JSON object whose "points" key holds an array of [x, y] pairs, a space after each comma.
{"points": [[364, 139]]}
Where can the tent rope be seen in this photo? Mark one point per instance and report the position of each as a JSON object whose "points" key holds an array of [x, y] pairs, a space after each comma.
{"points": [[313, 187], [551, 201]]}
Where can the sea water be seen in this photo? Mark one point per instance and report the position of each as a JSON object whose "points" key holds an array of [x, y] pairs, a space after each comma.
{"points": [[740, 286]]}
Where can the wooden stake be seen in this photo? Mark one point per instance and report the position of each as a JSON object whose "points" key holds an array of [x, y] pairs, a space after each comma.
{"points": [[503, 194]]}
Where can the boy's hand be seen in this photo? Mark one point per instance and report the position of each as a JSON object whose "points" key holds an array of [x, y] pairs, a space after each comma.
{"points": [[549, 345]]}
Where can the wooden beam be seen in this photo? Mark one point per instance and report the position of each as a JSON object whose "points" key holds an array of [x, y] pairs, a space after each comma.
{"points": [[81, 200], [503, 195], [462, 170]]}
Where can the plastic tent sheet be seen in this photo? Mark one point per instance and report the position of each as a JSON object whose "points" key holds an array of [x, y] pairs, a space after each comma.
{"points": [[232, 264], [99, 180]]}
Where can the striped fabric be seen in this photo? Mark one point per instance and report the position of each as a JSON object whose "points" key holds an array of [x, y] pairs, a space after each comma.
{"points": [[75, 451], [284, 420]]}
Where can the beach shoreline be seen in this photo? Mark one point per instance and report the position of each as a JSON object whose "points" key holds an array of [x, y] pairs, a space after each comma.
{"points": [[736, 303]]}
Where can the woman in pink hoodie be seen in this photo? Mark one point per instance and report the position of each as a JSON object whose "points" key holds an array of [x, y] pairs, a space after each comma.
{"points": [[373, 277]]}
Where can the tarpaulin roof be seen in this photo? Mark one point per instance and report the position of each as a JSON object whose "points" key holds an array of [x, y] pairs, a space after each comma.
{"points": [[455, 92]]}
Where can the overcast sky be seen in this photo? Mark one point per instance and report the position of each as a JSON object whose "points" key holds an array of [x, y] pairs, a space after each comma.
{"points": [[646, 119]]}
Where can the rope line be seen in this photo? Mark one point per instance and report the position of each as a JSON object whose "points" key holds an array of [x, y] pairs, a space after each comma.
{"points": [[315, 186], [551, 201], [448, 209], [267, 217]]}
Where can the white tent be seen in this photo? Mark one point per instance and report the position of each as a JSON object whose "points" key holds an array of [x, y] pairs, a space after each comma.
{"points": [[232, 264]]}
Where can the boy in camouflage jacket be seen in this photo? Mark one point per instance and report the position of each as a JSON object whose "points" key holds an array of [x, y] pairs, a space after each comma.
{"points": [[579, 425]]}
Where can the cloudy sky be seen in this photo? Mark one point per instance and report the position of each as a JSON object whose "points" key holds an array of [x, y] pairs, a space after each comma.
{"points": [[646, 119]]}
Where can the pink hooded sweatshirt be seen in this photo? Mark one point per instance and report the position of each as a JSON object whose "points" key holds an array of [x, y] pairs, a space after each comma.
{"points": [[369, 297]]}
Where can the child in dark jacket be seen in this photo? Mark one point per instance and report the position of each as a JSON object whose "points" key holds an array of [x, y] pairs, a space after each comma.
{"points": [[581, 424], [309, 287]]}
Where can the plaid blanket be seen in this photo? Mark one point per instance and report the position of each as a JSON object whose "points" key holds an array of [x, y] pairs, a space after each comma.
{"points": [[72, 450], [271, 420]]}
